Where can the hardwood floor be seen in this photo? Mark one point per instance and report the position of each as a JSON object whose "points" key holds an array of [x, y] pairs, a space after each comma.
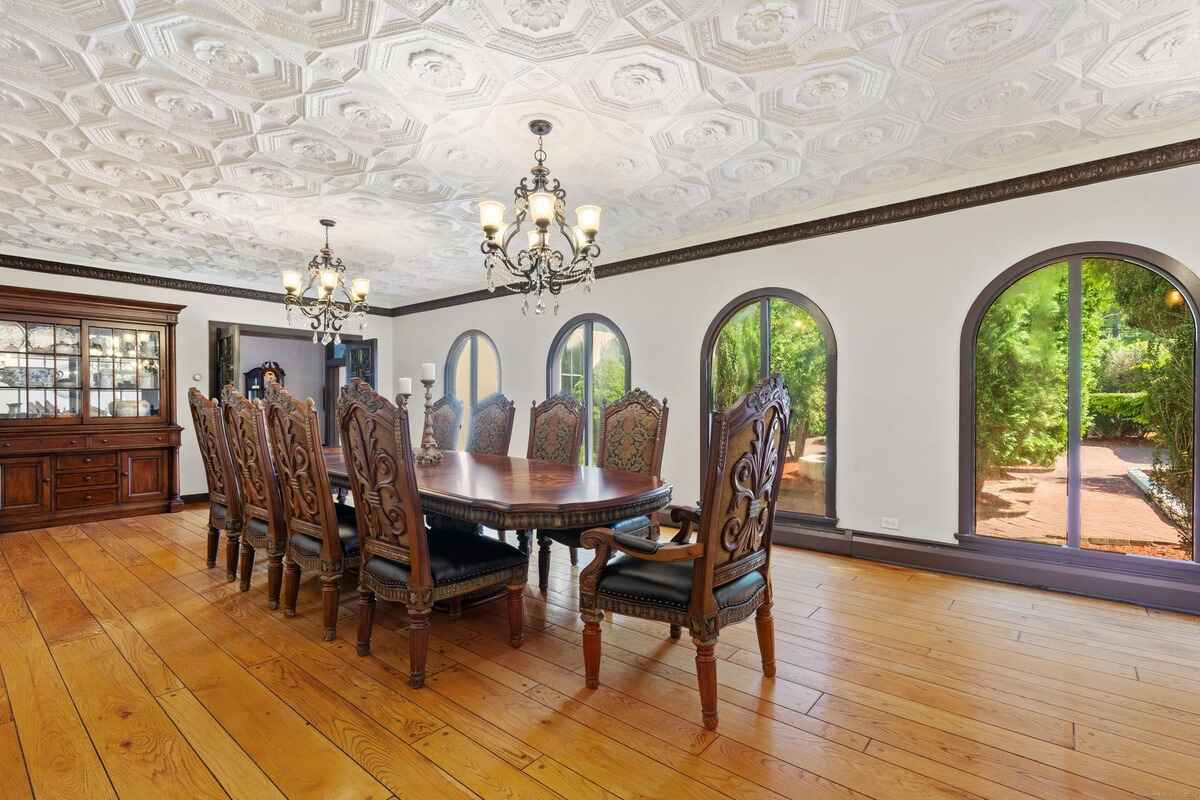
{"points": [[130, 670]]}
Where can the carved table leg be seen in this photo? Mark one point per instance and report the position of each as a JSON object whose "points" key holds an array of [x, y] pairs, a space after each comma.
{"points": [[455, 605], [676, 631], [543, 562], [523, 541], [214, 544], [574, 556]]}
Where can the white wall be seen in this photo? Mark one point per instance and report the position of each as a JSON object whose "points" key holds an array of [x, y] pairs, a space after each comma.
{"points": [[192, 341], [896, 297]]}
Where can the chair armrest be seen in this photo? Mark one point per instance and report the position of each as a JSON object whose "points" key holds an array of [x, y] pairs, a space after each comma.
{"points": [[605, 540], [685, 517]]}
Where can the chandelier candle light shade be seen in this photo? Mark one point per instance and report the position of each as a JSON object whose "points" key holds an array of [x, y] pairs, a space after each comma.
{"points": [[539, 268], [324, 299]]}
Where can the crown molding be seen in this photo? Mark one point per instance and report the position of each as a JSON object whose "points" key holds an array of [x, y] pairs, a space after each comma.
{"points": [[1155, 159]]}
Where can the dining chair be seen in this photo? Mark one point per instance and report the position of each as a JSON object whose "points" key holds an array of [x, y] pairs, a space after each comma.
{"points": [[224, 499], [490, 433], [401, 561], [721, 578], [555, 434], [446, 415], [263, 525], [633, 435], [321, 535]]}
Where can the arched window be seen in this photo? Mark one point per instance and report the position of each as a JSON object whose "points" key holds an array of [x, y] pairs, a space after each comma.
{"points": [[778, 330], [590, 359], [472, 373], [1079, 404]]}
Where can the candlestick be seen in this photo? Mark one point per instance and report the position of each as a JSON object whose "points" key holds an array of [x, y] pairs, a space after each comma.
{"points": [[429, 452], [428, 372]]}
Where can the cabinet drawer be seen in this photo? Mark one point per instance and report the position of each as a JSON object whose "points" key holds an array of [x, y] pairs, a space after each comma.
{"points": [[105, 440], [82, 498], [89, 461], [41, 444], [81, 480]]}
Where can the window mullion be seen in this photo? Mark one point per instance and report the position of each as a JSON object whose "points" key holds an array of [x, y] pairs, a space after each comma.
{"points": [[1074, 397], [587, 392], [764, 338]]}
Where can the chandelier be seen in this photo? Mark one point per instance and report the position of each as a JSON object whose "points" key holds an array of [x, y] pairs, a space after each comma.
{"points": [[539, 268], [330, 303]]}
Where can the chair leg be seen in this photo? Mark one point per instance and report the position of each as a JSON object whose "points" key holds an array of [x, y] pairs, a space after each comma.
{"points": [[418, 645], [274, 579], [455, 608], [706, 674], [214, 544], [366, 619], [676, 631], [291, 588], [591, 647], [516, 613], [543, 563], [330, 593], [765, 624], [233, 543], [247, 565], [574, 556], [523, 541], [502, 535]]}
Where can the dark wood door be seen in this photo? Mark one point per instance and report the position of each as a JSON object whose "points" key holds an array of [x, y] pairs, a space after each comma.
{"points": [[143, 475], [24, 486]]}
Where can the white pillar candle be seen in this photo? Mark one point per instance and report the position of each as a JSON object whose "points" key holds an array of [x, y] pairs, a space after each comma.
{"points": [[404, 385], [428, 371]]}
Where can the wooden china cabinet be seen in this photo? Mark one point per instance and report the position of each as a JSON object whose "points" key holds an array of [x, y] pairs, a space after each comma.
{"points": [[87, 408]]}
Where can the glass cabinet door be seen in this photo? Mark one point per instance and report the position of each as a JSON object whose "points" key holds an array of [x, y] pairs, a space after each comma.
{"points": [[40, 370], [124, 364]]}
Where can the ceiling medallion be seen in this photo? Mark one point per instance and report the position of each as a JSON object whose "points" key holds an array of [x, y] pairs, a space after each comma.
{"points": [[538, 269], [331, 303]]}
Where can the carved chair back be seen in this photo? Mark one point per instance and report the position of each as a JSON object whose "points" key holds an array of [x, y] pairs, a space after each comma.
{"points": [[378, 453], [447, 421], [214, 451], [491, 425], [633, 434], [246, 426], [295, 440], [556, 429], [741, 487]]}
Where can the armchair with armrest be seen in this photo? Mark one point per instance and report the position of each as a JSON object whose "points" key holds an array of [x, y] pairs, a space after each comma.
{"points": [[721, 578]]}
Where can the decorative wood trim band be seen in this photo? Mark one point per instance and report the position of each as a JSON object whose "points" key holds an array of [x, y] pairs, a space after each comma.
{"points": [[1155, 159]]}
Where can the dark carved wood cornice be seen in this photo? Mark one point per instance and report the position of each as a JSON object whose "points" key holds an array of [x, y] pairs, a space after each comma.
{"points": [[1155, 159]]}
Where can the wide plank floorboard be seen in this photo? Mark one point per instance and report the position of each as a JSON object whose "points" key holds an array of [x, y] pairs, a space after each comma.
{"points": [[129, 669]]}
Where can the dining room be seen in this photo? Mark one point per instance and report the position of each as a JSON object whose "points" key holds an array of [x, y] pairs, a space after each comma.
{"points": [[581, 399]]}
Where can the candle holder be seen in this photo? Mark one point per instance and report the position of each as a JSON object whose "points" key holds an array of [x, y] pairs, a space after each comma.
{"points": [[429, 452]]}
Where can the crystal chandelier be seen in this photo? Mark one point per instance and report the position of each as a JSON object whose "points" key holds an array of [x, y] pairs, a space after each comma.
{"points": [[539, 269], [330, 303]]}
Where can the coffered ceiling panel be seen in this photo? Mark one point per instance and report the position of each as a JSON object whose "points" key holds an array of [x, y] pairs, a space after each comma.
{"points": [[204, 138]]}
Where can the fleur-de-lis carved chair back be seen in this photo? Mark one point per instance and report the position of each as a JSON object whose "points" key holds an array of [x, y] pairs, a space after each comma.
{"points": [[556, 429], [634, 434], [743, 475], [265, 527], [446, 415], [378, 453], [307, 498], [224, 499], [491, 425]]}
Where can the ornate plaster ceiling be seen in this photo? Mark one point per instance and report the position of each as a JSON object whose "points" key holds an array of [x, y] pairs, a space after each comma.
{"points": [[203, 138]]}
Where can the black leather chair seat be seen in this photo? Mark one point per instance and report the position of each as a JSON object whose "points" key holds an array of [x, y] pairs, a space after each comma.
{"points": [[668, 583], [256, 527], [218, 512], [438, 524], [634, 526], [453, 557], [347, 532]]}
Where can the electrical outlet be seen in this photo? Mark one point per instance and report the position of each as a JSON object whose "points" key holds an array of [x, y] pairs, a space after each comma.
{"points": [[889, 523]]}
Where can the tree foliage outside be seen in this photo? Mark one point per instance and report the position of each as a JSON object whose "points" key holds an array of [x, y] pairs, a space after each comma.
{"points": [[1137, 354], [608, 373]]}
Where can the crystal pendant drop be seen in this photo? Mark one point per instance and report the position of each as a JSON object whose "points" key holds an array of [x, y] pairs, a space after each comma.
{"points": [[314, 337], [337, 339], [326, 338]]}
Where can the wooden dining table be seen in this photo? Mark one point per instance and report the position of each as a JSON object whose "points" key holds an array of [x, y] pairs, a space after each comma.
{"points": [[522, 494]]}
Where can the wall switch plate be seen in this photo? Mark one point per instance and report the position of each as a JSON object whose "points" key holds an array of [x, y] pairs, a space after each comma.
{"points": [[889, 523]]}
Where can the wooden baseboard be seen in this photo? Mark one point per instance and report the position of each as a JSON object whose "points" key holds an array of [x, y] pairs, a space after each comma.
{"points": [[202, 497], [1177, 592]]}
